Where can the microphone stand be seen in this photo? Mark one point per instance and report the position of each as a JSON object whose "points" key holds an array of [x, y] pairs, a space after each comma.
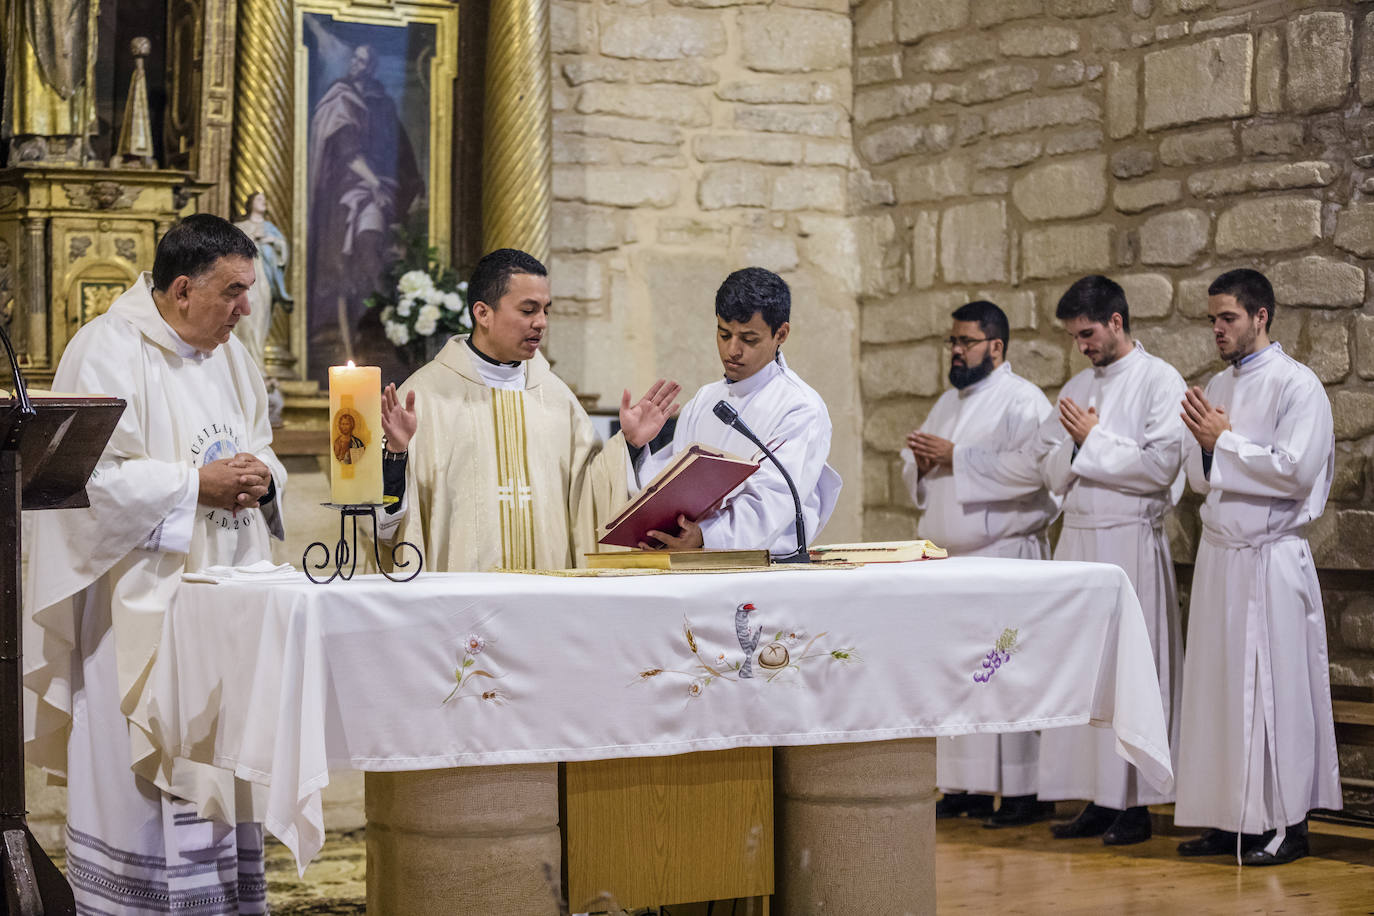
{"points": [[730, 417]]}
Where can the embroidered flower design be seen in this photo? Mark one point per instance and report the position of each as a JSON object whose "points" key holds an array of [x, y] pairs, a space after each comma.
{"points": [[467, 671], [694, 689]]}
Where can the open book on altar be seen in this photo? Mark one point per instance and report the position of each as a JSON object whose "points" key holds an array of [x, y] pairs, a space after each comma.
{"points": [[878, 552], [691, 485]]}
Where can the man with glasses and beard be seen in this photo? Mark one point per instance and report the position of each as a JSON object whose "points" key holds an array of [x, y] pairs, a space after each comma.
{"points": [[990, 410], [1258, 745]]}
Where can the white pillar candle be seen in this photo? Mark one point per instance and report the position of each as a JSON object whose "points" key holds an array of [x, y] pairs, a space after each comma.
{"points": [[355, 434]]}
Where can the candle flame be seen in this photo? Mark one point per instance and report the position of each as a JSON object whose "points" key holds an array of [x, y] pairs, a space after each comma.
{"points": [[350, 364]]}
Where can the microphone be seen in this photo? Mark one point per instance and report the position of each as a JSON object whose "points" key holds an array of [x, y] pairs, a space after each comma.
{"points": [[23, 407], [730, 417]]}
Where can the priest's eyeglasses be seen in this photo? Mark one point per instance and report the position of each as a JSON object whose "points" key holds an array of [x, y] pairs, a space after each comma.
{"points": [[963, 343]]}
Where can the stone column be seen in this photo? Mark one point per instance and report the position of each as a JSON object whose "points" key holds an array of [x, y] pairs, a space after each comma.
{"points": [[856, 828], [470, 840], [517, 129]]}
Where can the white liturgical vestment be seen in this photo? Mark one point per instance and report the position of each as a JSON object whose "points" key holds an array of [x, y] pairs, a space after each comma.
{"points": [[1117, 489], [98, 585], [791, 419], [1258, 746], [967, 517], [960, 511]]}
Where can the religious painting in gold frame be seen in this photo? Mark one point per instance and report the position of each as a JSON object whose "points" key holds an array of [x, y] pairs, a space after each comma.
{"points": [[373, 164]]}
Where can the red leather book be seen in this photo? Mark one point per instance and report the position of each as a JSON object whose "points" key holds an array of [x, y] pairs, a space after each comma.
{"points": [[691, 485]]}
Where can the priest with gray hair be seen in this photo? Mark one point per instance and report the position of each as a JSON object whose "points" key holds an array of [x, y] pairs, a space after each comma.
{"points": [[188, 481]]}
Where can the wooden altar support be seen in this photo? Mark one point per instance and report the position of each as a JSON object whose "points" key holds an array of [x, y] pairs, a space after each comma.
{"points": [[855, 833]]}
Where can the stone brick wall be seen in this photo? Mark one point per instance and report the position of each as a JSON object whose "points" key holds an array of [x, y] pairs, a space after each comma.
{"points": [[691, 138], [1028, 142]]}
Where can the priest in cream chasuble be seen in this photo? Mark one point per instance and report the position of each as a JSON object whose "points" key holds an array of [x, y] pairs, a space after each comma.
{"points": [[502, 466]]}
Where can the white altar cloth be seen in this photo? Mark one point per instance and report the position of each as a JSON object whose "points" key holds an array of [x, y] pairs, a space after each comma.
{"points": [[282, 680]]}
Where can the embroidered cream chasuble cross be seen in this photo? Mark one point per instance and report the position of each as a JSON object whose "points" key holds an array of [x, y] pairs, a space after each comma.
{"points": [[503, 479]]}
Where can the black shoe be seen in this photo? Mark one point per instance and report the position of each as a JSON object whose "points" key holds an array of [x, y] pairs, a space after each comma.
{"points": [[1132, 826], [1220, 843], [1293, 847], [1091, 821], [959, 804], [1211, 843], [1017, 811]]}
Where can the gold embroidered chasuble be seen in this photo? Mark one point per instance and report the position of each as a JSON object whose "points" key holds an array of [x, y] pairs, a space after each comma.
{"points": [[501, 479]]}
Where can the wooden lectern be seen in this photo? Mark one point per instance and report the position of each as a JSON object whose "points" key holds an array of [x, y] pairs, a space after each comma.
{"points": [[48, 449]]}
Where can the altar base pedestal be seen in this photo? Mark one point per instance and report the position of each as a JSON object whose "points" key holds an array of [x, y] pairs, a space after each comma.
{"points": [[470, 840], [856, 828]]}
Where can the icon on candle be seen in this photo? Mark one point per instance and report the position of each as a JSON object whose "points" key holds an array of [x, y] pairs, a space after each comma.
{"points": [[352, 436], [355, 427]]}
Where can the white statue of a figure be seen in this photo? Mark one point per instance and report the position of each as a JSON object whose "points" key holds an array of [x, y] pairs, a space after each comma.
{"points": [[270, 265]]}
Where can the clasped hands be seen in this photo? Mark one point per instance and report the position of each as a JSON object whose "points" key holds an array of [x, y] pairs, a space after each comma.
{"points": [[1203, 420], [1077, 421], [234, 483], [933, 451], [930, 451]]}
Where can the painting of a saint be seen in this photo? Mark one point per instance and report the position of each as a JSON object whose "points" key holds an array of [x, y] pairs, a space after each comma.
{"points": [[368, 145]]}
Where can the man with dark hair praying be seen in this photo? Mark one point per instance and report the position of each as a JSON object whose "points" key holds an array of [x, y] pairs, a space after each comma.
{"points": [[187, 481], [496, 463], [1114, 453], [1258, 746], [951, 465], [753, 319]]}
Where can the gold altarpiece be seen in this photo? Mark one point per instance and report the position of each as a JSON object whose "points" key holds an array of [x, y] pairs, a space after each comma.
{"points": [[72, 240], [72, 229], [74, 232]]}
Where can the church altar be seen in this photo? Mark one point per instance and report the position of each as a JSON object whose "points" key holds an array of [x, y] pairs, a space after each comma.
{"points": [[283, 681]]}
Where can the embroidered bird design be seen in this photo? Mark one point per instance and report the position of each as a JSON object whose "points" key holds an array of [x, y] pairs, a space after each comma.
{"points": [[748, 641]]}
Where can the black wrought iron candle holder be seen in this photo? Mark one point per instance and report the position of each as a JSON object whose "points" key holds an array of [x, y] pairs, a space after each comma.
{"points": [[345, 552]]}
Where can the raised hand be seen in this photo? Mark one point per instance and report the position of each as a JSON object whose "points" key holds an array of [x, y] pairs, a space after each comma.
{"points": [[1204, 421], [398, 420], [1076, 420], [643, 419]]}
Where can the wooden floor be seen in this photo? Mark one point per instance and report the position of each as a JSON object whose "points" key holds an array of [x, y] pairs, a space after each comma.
{"points": [[1018, 870], [1025, 870]]}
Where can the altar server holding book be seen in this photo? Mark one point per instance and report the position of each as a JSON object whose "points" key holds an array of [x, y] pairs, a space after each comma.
{"points": [[753, 320]]}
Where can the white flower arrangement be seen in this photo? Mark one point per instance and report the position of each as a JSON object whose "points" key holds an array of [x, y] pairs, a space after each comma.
{"points": [[426, 304]]}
